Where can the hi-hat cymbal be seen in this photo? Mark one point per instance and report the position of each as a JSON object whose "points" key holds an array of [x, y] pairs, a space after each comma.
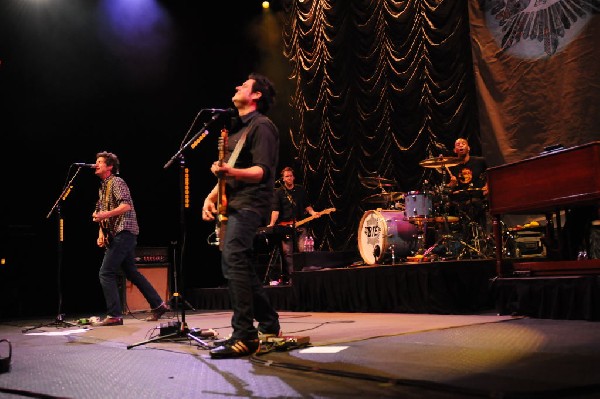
{"points": [[439, 161], [377, 181], [384, 198]]}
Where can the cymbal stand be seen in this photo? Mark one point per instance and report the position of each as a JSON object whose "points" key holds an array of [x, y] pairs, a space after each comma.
{"points": [[444, 240], [468, 249], [274, 258], [471, 242], [421, 223]]}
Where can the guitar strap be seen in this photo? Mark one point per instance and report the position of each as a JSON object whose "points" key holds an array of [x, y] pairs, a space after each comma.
{"points": [[105, 200], [240, 144]]}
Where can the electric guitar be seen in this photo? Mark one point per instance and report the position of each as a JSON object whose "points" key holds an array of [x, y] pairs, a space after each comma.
{"points": [[308, 219], [105, 233], [221, 219]]}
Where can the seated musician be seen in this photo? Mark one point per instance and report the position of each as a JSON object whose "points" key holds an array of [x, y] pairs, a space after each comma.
{"points": [[468, 182], [290, 203]]}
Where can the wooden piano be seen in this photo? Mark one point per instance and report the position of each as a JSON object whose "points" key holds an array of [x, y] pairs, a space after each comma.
{"points": [[546, 184]]}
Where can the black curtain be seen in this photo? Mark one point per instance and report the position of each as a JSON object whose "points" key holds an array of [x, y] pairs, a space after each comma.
{"points": [[379, 87]]}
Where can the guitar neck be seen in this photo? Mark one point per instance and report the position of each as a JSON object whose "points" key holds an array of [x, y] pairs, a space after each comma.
{"points": [[222, 195], [318, 214]]}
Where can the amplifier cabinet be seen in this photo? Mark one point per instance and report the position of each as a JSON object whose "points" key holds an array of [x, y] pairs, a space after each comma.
{"points": [[158, 275], [529, 244]]}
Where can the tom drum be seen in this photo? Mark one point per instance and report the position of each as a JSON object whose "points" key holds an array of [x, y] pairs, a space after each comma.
{"points": [[384, 234], [418, 204]]}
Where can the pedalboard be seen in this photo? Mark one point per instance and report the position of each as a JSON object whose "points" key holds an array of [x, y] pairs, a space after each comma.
{"points": [[287, 343]]}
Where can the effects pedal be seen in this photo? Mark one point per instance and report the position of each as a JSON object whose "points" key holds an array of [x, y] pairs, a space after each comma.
{"points": [[287, 343], [169, 328], [204, 333]]}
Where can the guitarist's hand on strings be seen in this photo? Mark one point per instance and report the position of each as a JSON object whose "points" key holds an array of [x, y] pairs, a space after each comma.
{"points": [[100, 216], [209, 209]]}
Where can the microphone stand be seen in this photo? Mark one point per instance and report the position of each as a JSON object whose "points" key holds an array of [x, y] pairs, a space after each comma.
{"points": [[59, 321], [182, 329], [295, 248]]}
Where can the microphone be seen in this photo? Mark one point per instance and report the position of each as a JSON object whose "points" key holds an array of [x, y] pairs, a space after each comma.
{"points": [[226, 111], [85, 165]]}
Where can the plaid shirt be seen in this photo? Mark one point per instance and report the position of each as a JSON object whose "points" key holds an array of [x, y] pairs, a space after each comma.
{"points": [[114, 191]]}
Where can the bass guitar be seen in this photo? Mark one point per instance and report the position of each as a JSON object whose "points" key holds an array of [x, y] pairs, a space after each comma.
{"points": [[221, 219], [308, 219]]}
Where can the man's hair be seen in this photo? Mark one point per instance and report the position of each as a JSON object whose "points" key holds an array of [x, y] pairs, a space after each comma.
{"points": [[287, 169], [110, 159], [263, 85]]}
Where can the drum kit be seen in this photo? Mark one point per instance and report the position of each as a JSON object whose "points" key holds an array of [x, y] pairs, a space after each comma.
{"points": [[426, 225]]}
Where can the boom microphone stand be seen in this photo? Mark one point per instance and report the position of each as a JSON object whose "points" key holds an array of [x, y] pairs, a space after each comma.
{"points": [[59, 321], [182, 329]]}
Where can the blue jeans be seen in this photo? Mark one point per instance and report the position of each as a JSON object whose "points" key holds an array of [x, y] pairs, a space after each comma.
{"points": [[248, 297], [120, 255]]}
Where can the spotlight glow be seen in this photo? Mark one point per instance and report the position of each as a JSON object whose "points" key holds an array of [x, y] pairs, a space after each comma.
{"points": [[265, 5]]}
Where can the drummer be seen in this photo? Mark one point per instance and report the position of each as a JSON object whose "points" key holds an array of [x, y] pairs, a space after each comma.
{"points": [[468, 181]]}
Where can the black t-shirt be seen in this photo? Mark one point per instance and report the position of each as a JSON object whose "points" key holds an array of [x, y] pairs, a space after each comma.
{"points": [[291, 204], [261, 148], [470, 176]]}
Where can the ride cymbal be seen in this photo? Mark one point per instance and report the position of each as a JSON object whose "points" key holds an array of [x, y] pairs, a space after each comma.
{"points": [[439, 161], [384, 198], [377, 181]]}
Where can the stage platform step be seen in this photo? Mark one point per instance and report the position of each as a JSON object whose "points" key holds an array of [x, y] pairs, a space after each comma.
{"points": [[451, 287]]}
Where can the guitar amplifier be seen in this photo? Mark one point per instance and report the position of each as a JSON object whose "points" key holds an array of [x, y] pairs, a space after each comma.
{"points": [[529, 244], [153, 263], [149, 255]]}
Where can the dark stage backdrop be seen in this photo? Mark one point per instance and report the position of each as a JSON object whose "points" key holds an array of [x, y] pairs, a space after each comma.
{"points": [[128, 77], [366, 88]]}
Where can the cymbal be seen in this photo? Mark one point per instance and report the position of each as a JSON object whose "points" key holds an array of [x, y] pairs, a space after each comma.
{"points": [[436, 162], [396, 196], [384, 198], [377, 181]]}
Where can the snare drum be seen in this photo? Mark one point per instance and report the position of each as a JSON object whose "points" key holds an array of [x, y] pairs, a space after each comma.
{"points": [[385, 234], [418, 204]]}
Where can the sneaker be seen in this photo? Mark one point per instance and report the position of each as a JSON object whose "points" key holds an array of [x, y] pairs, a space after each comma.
{"points": [[222, 341], [235, 348], [108, 321], [159, 311]]}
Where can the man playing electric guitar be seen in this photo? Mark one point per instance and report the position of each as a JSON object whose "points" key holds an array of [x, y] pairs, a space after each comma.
{"points": [[118, 233], [250, 173], [290, 203]]}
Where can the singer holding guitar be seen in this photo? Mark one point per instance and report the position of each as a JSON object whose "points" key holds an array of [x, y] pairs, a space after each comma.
{"points": [[117, 234], [249, 172]]}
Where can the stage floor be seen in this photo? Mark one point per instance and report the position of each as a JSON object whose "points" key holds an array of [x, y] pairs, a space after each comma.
{"points": [[350, 354]]}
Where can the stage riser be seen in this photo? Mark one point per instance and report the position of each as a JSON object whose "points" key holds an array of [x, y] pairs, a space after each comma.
{"points": [[461, 287], [218, 298], [561, 297]]}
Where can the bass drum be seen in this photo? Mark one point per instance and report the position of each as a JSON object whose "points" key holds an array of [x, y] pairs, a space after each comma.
{"points": [[382, 234]]}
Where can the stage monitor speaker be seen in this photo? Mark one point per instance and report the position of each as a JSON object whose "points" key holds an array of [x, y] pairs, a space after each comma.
{"points": [[158, 275]]}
